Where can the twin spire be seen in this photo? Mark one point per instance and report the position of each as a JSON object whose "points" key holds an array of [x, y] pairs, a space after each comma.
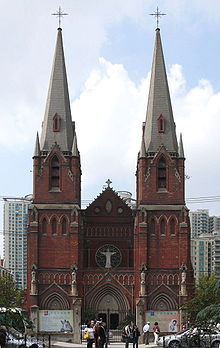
{"points": [[58, 127], [159, 126]]}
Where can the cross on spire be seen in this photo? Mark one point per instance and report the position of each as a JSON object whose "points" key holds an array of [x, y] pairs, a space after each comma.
{"points": [[108, 182], [157, 14], [59, 14]]}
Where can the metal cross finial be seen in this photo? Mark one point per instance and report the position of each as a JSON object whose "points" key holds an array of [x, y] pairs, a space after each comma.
{"points": [[157, 14], [59, 14], [108, 182]]}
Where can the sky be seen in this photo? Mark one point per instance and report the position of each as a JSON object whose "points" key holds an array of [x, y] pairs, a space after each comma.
{"points": [[108, 47]]}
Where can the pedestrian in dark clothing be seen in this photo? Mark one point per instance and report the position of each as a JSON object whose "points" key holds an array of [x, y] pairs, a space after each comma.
{"points": [[102, 334], [3, 336], [136, 335]]}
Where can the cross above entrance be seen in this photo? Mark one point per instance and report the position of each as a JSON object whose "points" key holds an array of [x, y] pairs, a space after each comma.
{"points": [[108, 182]]}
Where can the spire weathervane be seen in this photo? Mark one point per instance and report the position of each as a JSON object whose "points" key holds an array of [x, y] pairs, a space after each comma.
{"points": [[59, 14], [157, 14]]}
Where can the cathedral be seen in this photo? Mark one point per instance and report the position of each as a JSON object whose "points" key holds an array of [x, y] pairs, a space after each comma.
{"points": [[110, 259]]}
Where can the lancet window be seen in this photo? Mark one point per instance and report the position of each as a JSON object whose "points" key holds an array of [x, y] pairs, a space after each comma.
{"points": [[162, 180], [55, 172]]}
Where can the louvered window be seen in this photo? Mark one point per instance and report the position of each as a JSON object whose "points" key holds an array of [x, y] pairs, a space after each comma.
{"points": [[162, 173], [55, 172]]}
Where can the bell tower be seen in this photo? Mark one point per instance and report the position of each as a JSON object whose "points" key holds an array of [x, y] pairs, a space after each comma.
{"points": [[162, 229], [53, 233]]}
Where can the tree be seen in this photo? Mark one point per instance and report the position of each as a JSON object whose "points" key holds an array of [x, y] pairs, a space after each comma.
{"points": [[205, 306], [10, 299]]}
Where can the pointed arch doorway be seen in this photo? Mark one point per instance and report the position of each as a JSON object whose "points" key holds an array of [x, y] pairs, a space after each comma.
{"points": [[110, 304]]}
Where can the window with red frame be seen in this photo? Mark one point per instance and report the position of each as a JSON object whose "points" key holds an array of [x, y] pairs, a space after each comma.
{"points": [[56, 123], [161, 124]]}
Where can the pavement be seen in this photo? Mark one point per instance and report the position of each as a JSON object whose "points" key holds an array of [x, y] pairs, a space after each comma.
{"points": [[111, 345]]}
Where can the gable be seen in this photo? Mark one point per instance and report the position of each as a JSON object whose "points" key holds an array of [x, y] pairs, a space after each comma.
{"points": [[108, 204]]}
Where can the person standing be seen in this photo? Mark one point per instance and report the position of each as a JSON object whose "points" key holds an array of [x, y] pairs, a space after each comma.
{"points": [[156, 331], [96, 334], [3, 336], [102, 334], [136, 335], [146, 329], [90, 339], [129, 335]]}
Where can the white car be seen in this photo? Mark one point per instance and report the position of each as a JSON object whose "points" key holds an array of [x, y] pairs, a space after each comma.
{"points": [[194, 336]]}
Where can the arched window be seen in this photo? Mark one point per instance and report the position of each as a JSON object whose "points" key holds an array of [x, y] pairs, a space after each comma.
{"points": [[172, 227], [55, 172], [54, 226], [162, 227], [162, 173], [64, 226], [153, 226], [44, 226], [56, 123], [161, 124]]}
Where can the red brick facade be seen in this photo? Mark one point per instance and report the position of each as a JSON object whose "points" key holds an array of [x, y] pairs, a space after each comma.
{"points": [[108, 256]]}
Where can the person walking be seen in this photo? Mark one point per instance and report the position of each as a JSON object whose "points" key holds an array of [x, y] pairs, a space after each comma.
{"points": [[136, 335], [146, 329], [89, 330], [156, 331]]}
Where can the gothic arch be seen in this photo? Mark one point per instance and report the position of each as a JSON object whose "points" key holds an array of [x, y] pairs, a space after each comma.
{"points": [[111, 291], [163, 302], [55, 301]]}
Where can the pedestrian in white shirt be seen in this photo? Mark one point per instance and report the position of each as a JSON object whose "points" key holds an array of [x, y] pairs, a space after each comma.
{"points": [[146, 329]]}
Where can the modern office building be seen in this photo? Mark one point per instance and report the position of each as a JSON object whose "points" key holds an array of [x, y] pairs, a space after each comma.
{"points": [[205, 255], [202, 223], [15, 237]]}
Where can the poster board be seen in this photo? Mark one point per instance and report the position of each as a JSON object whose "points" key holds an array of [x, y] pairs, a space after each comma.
{"points": [[168, 321], [56, 321]]}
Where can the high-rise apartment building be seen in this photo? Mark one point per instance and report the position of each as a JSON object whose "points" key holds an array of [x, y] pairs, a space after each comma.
{"points": [[205, 255], [15, 237], [202, 223]]}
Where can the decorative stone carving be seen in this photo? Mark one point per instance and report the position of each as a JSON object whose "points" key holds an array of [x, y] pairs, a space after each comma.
{"points": [[108, 256], [73, 281], [33, 280]]}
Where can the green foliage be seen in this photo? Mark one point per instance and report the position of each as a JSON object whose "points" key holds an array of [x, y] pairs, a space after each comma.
{"points": [[10, 298], [205, 306]]}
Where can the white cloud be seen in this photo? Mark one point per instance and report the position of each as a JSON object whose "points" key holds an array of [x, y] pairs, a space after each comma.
{"points": [[109, 114]]}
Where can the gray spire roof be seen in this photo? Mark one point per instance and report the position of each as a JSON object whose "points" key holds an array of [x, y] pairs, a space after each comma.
{"points": [[159, 104], [37, 147], [180, 149], [57, 104], [75, 151], [142, 153]]}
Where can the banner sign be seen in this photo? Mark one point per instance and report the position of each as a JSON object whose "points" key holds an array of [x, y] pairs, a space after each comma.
{"points": [[168, 321], [56, 320]]}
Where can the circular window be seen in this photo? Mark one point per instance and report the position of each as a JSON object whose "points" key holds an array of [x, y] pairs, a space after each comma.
{"points": [[108, 256]]}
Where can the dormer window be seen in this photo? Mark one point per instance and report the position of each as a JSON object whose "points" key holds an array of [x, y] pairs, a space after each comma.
{"points": [[161, 124], [56, 123]]}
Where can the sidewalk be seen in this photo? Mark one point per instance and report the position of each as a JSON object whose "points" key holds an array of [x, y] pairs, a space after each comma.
{"points": [[111, 345]]}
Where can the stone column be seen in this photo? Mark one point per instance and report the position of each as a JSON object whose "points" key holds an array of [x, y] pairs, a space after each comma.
{"points": [[76, 306], [34, 316], [140, 316]]}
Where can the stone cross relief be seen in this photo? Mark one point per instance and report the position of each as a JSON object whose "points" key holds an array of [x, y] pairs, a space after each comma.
{"points": [[108, 255]]}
